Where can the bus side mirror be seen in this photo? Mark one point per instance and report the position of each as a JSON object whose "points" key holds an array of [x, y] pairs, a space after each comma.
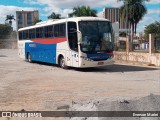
{"points": [[79, 37], [72, 30]]}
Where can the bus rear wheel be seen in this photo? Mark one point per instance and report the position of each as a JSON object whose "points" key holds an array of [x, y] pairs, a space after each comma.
{"points": [[62, 63], [29, 58]]}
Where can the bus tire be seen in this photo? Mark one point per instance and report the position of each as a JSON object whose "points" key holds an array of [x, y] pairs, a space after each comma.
{"points": [[62, 62], [29, 58]]}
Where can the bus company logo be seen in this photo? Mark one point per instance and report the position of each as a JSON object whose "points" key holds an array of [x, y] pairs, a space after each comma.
{"points": [[6, 114], [32, 45]]}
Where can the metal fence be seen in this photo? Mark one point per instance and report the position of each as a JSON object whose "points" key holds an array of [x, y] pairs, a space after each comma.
{"points": [[139, 44]]}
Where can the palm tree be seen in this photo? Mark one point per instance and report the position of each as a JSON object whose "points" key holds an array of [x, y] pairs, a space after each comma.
{"points": [[10, 18], [54, 16], [141, 11], [133, 11], [36, 21], [83, 11]]}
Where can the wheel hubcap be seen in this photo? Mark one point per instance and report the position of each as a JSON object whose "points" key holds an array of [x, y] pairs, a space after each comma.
{"points": [[62, 63], [29, 58]]}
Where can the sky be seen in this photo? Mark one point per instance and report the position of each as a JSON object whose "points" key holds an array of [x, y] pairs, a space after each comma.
{"points": [[63, 7]]}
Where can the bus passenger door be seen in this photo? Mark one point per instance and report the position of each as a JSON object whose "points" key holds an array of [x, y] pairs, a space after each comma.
{"points": [[75, 59], [73, 43], [68, 58]]}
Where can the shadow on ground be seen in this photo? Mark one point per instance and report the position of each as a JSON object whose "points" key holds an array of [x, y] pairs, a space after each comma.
{"points": [[109, 68], [116, 68]]}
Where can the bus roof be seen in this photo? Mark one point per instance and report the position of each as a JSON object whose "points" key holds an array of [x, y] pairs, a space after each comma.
{"points": [[56, 21]]}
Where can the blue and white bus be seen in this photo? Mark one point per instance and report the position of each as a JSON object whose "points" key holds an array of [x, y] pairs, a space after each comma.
{"points": [[77, 42]]}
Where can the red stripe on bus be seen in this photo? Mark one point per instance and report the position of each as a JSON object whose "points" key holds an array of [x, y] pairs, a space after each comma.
{"points": [[109, 53], [49, 40]]}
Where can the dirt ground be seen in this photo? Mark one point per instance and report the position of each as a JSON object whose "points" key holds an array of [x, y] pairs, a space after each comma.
{"points": [[46, 87]]}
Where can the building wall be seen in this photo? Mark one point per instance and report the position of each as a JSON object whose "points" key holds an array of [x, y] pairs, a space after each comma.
{"points": [[153, 58], [113, 15], [26, 18], [10, 42]]}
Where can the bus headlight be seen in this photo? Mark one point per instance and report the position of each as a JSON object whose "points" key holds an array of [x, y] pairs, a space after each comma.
{"points": [[85, 58]]}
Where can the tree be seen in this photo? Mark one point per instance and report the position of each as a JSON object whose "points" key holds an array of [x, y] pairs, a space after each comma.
{"points": [[83, 11], [10, 18], [152, 28], [133, 11], [36, 21], [54, 16], [5, 31]]}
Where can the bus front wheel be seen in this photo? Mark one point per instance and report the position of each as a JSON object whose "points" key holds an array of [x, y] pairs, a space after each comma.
{"points": [[62, 62], [29, 58]]}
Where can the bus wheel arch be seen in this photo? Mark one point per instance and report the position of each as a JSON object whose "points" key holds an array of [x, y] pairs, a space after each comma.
{"points": [[61, 61]]}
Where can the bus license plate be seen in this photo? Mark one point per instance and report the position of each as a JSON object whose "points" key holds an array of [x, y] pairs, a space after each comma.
{"points": [[100, 63]]}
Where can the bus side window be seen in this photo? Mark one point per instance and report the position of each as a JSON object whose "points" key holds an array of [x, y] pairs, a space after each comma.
{"points": [[41, 32], [25, 34], [31, 33], [46, 32], [37, 32], [62, 30], [56, 30], [50, 31]]}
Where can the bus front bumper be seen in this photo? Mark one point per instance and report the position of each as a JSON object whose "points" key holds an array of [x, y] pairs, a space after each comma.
{"points": [[86, 64]]}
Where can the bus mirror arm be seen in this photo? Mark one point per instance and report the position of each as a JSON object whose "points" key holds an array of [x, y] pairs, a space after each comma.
{"points": [[79, 36]]}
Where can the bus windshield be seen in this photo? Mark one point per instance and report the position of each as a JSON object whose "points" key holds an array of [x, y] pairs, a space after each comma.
{"points": [[96, 36]]}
